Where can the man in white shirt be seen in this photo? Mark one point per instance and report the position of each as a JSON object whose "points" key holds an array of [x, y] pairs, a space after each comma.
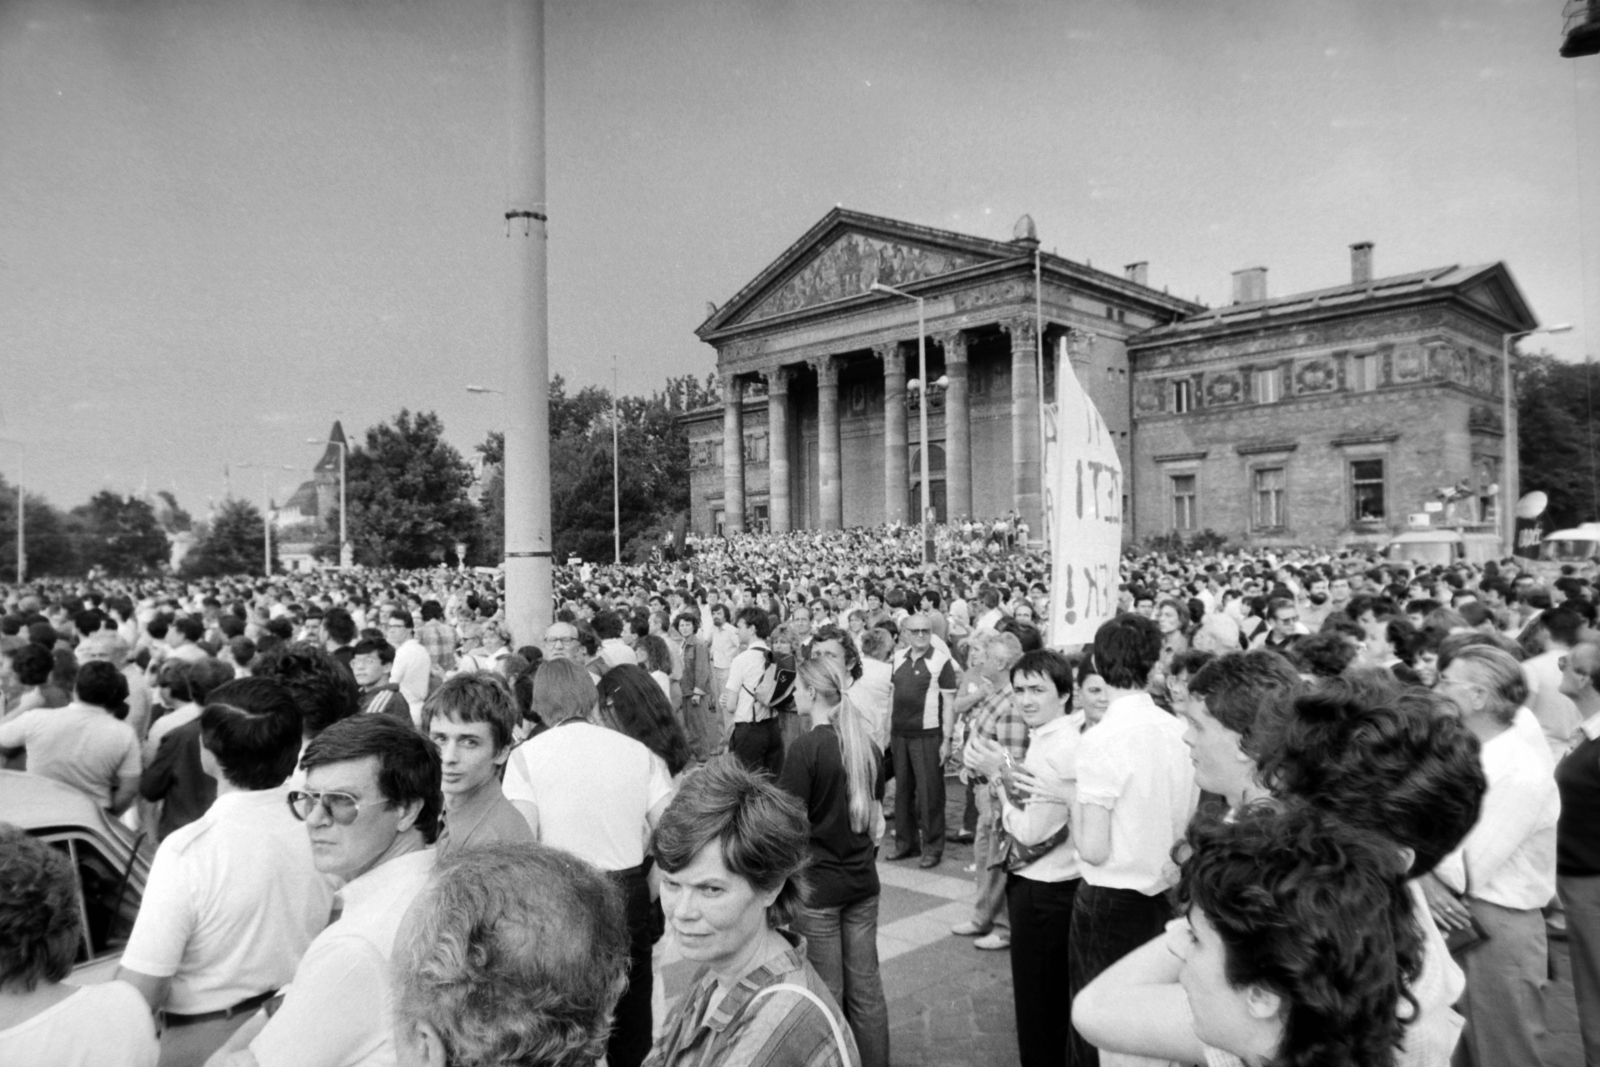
{"points": [[724, 643], [233, 899], [1504, 873], [371, 806], [412, 664], [750, 727], [608, 626], [1135, 796]]}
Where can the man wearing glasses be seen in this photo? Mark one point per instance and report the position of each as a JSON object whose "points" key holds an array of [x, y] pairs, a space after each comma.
{"points": [[561, 642], [412, 664], [371, 807], [1285, 629]]}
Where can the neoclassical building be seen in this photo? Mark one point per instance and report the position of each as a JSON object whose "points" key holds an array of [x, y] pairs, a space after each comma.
{"points": [[1323, 417], [818, 427]]}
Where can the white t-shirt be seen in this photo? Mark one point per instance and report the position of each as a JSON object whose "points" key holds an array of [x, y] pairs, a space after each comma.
{"points": [[339, 1011], [232, 903], [83, 746], [1135, 763], [106, 1025], [593, 788], [410, 670]]}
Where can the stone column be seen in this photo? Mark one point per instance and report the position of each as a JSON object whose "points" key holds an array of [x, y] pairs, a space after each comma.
{"points": [[732, 454], [1025, 458], [896, 482], [778, 450], [957, 428], [829, 485]]}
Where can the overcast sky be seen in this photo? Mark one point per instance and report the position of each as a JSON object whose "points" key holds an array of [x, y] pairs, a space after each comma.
{"points": [[224, 223]]}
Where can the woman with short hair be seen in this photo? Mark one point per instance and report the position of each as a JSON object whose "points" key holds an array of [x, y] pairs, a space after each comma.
{"points": [[731, 847]]}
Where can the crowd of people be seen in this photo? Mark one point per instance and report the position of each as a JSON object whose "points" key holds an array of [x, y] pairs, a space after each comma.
{"points": [[1306, 808]]}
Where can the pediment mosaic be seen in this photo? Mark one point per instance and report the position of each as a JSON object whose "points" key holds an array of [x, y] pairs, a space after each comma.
{"points": [[850, 265]]}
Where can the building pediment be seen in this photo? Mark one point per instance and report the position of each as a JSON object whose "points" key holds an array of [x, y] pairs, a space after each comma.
{"points": [[844, 255]]}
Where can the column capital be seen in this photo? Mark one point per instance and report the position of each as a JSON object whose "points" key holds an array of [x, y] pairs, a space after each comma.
{"points": [[732, 386], [1024, 330], [954, 344], [890, 355], [827, 368], [778, 379]]}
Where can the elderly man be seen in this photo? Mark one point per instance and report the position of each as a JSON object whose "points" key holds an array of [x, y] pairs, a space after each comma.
{"points": [[233, 899], [920, 724], [561, 642], [554, 961], [371, 807], [995, 719], [1578, 841], [1505, 870]]}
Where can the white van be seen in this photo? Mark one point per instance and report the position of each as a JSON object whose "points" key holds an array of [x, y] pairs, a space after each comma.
{"points": [[1441, 548]]}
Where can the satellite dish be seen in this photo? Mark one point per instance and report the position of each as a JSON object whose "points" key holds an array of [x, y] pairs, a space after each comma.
{"points": [[1532, 505]]}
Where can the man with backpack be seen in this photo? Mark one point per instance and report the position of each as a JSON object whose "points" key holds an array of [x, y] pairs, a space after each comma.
{"points": [[753, 688]]}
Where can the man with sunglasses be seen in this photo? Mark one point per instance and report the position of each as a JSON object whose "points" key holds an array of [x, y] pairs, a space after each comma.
{"points": [[924, 681], [371, 805]]}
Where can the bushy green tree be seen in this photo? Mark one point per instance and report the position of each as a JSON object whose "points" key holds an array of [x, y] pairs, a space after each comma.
{"points": [[118, 535], [50, 551], [407, 494], [230, 543], [1557, 437]]}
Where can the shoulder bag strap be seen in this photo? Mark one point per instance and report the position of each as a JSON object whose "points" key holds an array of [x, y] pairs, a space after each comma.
{"points": [[833, 1024]]}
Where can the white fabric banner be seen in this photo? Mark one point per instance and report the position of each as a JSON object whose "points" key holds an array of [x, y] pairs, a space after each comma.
{"points": [[1083, 499]]}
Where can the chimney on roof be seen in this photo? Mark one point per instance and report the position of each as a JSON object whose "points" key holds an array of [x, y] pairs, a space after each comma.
{"points": [[1137, 273], [1361, 263], [1249, 285]]}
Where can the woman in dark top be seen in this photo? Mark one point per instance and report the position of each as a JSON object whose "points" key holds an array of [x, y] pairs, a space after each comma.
{"points": [[836, 770]]}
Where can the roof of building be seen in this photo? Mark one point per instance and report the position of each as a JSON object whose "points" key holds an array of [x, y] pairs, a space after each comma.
{"points": [[845, 252], [1488, 287], [303, 501], [330, 456]]}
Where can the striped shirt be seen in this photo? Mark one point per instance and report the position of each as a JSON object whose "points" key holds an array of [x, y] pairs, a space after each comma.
{"points": [[780, 1030]]}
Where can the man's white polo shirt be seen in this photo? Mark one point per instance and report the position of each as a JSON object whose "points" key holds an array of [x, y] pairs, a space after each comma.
{"points": [[232, 903], [339, 1011]]}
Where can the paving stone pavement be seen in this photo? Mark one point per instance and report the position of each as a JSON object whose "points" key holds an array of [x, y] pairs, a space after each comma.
{"points": [[950, 1004]]}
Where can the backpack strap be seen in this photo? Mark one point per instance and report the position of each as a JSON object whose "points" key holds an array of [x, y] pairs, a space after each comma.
{"points": [[833, 1024]]}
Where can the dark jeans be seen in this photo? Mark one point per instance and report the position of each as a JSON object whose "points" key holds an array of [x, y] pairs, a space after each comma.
{"points": [[1041, 924], [631, 1028], [1107, 924], [919, 781], [758, 746], [842, 944]]}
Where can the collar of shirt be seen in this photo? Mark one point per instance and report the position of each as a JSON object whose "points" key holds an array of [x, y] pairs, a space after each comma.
{"points": [[473, 807], [769, 973], [378, 880], [1591, 726], [1068, 723]]}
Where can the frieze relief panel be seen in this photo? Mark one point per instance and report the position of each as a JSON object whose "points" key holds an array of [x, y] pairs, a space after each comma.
{"points": [[1273, 340], [850, 265], [1315, 376], [1002, 293], [1224, 387], [1150, 398]]}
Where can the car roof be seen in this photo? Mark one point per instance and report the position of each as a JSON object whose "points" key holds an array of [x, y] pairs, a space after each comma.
{"points": [[32, 802], [1412, 537]]}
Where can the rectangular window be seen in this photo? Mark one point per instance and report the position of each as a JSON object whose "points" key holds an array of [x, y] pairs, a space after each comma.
{"points": [[1269, 498], [1183, 501], [1269, 386], [1182, 395], [1366, 489], [1363, 373]]}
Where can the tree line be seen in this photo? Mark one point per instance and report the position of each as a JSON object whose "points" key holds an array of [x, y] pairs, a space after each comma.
{"points": [[409, 498]]}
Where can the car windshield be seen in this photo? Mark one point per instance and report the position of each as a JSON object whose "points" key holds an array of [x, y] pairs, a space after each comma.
{"points": [[1430, 552], [1569, 549]]}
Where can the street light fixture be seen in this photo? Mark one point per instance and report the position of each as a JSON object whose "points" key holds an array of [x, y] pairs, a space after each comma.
{"points": [[266, 510], [344, 453], [1511, 476], [922, 409]]}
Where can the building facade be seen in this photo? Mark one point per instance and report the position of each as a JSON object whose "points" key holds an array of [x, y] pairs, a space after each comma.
{"points": [[820, 380], [1330, 417], [1320, 418]]}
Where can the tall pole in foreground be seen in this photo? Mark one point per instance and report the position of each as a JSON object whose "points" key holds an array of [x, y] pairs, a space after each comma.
{"points": [[528, 575], [616, 484]]}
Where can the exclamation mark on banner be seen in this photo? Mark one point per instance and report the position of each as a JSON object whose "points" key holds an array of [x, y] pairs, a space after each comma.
{"points": [[1070, 612]]}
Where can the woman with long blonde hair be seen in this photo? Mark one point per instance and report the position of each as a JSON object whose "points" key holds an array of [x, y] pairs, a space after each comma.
{"points": [[835, 769]]}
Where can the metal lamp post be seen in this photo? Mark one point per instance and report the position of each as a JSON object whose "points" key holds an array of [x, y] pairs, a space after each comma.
{"points": [[1510, 477], [922, 408], [344, 453]]}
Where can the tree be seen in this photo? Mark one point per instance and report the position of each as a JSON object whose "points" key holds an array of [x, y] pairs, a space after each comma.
{"points": [[119, 535], [1556, 436], [407, 494], [231, 543], [50, 551], [490, 546]]}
